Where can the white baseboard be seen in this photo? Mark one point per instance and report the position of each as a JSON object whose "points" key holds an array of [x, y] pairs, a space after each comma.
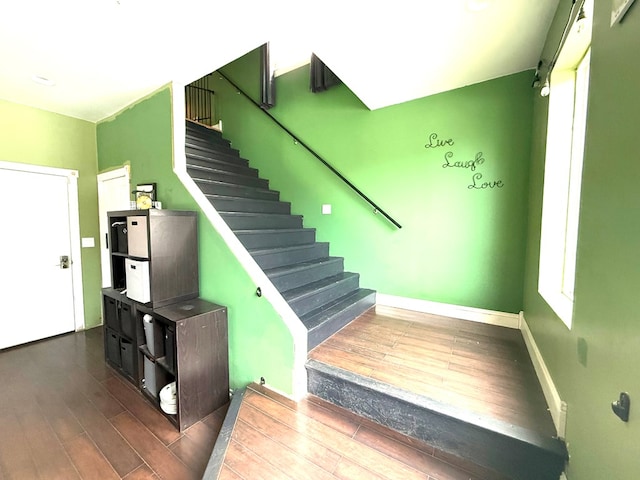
{"points": [[557, 407], [492, 317]]}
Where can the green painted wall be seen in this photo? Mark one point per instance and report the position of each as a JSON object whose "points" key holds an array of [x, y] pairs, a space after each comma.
{"points": [[37, 137], [259, 342], [457, 245], [598, 358]]}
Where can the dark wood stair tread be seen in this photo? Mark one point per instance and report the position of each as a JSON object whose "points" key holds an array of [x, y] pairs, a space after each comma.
{"points": [[314, 287], [319, 316], [297, 267], [227, 160]]}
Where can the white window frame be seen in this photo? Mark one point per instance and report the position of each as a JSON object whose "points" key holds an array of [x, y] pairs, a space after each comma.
{"points": [[566, 132]]}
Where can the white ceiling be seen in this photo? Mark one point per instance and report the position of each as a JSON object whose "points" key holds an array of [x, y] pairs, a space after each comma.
{"points": [[105, 54]]}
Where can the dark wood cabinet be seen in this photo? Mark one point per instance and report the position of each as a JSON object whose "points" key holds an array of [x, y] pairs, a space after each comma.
{"points": [[158, 333], [190, 348], [154, 255]]}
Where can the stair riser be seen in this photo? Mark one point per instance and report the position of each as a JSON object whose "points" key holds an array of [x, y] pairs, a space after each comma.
{"points": [[223, 162], [262, 221], [207, 140], [210, 144], [489, 449], [317, 299], [297, 279], [197, 129], [281, 259], [250, 206], [276, 239], [237, 191], [319, 334], [229, 178], [222, 154]]}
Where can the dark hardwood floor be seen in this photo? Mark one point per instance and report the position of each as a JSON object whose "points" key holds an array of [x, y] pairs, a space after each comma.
{"points": [[275, 438], [480, 368], [64, 414]]}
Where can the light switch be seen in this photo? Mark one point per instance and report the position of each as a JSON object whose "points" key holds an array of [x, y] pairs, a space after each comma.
{"points": [[88, 242], [326, 209]]}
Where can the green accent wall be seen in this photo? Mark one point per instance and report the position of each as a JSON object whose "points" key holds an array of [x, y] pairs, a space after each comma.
{"points": [[598, 358], [37, 137], [458, 245], [260, 344]]}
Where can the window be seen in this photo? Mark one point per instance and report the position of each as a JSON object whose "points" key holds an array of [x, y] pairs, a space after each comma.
{"points": [[566, 130]]}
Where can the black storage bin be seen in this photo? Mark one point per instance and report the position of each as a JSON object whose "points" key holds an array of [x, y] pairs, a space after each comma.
{"points": [[118, 273], [111, 313], [126, 320], [170, 348], [113, 348], [126, 353], [119, 237]]}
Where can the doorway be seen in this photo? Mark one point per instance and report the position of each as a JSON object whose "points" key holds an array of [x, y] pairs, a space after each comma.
{"points": [[41, 290], [113, 195]]}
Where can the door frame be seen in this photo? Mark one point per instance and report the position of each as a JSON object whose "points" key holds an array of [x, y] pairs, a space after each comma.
{"points": [[102, 221], [74, 228]]}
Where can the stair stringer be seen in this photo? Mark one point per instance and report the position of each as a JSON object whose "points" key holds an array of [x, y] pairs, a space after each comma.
{"points": [[269, 292]]}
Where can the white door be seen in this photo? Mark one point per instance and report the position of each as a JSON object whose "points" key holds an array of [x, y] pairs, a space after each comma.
{"points": [[37, 292], [113, 195]]}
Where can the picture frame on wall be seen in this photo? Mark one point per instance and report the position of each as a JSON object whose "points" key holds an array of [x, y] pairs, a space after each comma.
{"points": [[145, 196], [618, 10]]}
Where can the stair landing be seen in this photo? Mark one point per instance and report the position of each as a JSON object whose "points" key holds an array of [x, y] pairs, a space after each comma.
{"points": [[397, 395], [468, 389]]}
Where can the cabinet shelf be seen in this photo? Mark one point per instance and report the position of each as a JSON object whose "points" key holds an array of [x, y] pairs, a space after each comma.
{"points": [[172, 417], [162, 361], [147, 353]]}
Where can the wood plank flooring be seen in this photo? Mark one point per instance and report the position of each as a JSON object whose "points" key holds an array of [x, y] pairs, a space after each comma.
{"points": [[64, 414], [480, 368], [275, 438]]}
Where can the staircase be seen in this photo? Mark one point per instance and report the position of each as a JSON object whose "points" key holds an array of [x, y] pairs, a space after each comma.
{"points": [[314, 284], [326, 299]]}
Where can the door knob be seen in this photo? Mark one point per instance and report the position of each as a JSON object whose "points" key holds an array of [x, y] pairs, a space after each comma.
{"points": [[64, 261]]}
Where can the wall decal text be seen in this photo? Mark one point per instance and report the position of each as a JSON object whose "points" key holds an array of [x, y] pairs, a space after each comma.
{"points": [[435, 141], [476, 185], [470, 164]]}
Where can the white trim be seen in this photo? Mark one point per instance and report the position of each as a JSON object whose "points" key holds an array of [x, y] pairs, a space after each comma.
{"points": [[563, 476], [492, 317], [116, 173], [74, 227], [105, 267], [76, 249], [27, 167], [269, 292], [557, 407]]}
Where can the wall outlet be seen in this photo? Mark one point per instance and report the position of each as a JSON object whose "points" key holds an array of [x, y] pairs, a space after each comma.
{"points": [[326, 209], [88, 242]]}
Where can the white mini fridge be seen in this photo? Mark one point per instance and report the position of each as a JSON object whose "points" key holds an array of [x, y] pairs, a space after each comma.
{"points": [[138, 284]]}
